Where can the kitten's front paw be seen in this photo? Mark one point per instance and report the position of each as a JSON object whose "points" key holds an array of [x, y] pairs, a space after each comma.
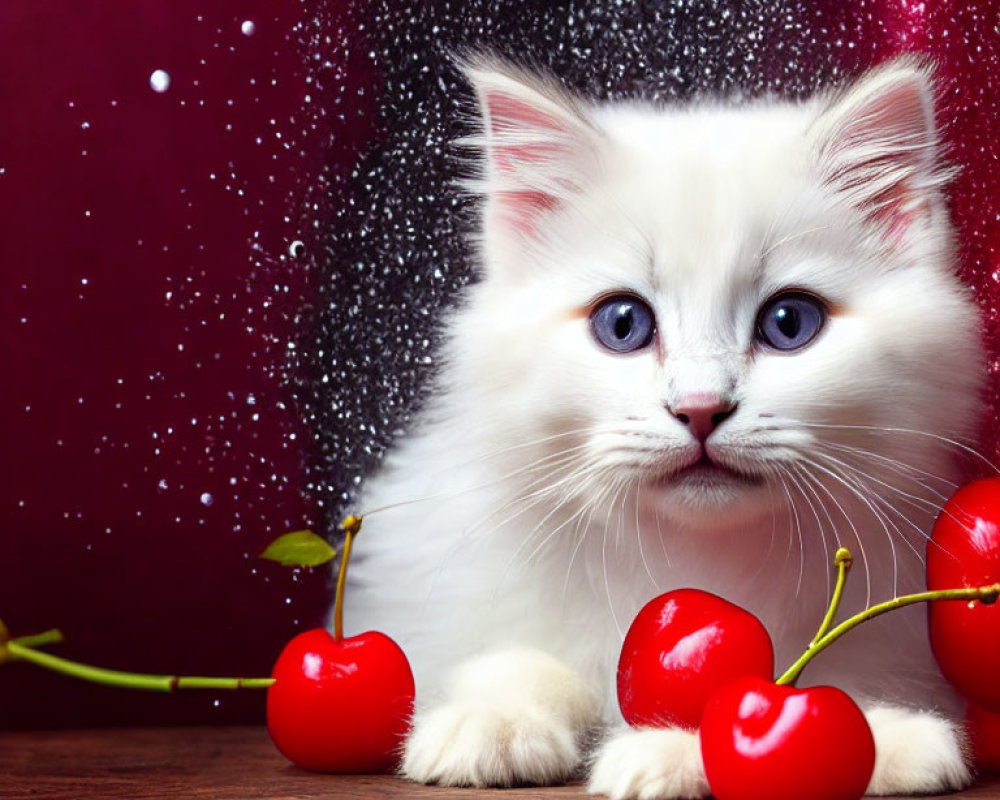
{"points": [[650, 764], [462, 745], [916, 753]]}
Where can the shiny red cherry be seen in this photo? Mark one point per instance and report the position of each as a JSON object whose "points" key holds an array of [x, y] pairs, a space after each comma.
{"points": [[681, 647], [762, 741], [341, 705], [983, 728], [965, 551]]}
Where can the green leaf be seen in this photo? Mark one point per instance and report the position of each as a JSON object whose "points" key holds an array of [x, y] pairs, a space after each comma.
{"points": [[299, 549]]}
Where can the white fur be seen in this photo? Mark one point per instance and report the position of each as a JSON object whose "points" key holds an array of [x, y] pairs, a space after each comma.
{"points": [[916, 753], [536, 503], [648, 764], [510, 717]]}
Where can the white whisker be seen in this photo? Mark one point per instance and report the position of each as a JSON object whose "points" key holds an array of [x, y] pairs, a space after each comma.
{"points": [[595, 502], [581, 477], [850, 523], [914, 500], [912, 431], [604, 565], [796, 526], [806, 484], [790, 238], [897, 466], [638, 536], [542, 463], [870, 502]]}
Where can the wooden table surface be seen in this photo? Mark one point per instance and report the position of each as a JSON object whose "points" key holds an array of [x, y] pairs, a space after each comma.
{"points": [[238, 763]]}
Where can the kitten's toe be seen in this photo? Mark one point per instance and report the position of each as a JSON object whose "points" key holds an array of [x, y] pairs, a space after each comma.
{"points": [[461, 745], [916, 753], [650, 764]]}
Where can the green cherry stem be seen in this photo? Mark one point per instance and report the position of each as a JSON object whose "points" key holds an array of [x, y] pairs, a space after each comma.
{"points": [[53, 636], [984, 594], [23, 648], [17, 651], [843, 560], [352, 527]]}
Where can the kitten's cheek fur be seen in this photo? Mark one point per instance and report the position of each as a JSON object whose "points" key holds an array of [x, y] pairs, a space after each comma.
{"points": [[649, 764], [916, 752], [510, 717]]}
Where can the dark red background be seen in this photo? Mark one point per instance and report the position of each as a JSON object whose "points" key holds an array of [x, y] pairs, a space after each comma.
{"points": [[151, 445]]}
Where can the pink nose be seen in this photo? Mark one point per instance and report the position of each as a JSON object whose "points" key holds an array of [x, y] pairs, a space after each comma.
{"points": [[702, 412]]}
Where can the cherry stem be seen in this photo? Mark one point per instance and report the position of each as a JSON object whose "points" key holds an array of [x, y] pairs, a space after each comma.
{"points": [[843, 560], [23, 649], [352, 527], [985, 594], [53, 636]]}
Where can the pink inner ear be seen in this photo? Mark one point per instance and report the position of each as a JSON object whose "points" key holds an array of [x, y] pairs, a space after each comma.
{"points": [[900, 110], [880, 153], [521, 210], [897, 211], [527, 148], [522, 136]]}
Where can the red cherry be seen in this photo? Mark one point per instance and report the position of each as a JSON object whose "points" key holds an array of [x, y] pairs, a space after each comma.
{"points": [[762, 741], [681, 647], [965, 551], [983, 728], [341, 705]]}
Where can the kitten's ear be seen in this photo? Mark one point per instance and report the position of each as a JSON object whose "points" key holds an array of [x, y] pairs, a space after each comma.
{"points": [[879, 142], [539, 145]]}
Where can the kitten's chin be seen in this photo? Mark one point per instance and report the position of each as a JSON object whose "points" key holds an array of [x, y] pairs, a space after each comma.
{"points": [[709, 495]]}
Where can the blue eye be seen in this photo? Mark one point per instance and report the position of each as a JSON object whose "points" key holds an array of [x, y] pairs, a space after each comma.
{"points": [[790, 321], [623, 323]]}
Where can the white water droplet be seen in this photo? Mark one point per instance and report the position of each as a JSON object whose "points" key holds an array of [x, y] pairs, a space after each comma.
{"points": [[248, 27], [206, 499], [159, 81]]}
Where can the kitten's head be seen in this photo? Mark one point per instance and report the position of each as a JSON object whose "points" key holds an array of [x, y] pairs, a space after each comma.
{"points": [[719, 308]]}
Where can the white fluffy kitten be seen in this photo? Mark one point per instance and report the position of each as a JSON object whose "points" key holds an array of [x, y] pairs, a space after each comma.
{"points": [[709, 345]]}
